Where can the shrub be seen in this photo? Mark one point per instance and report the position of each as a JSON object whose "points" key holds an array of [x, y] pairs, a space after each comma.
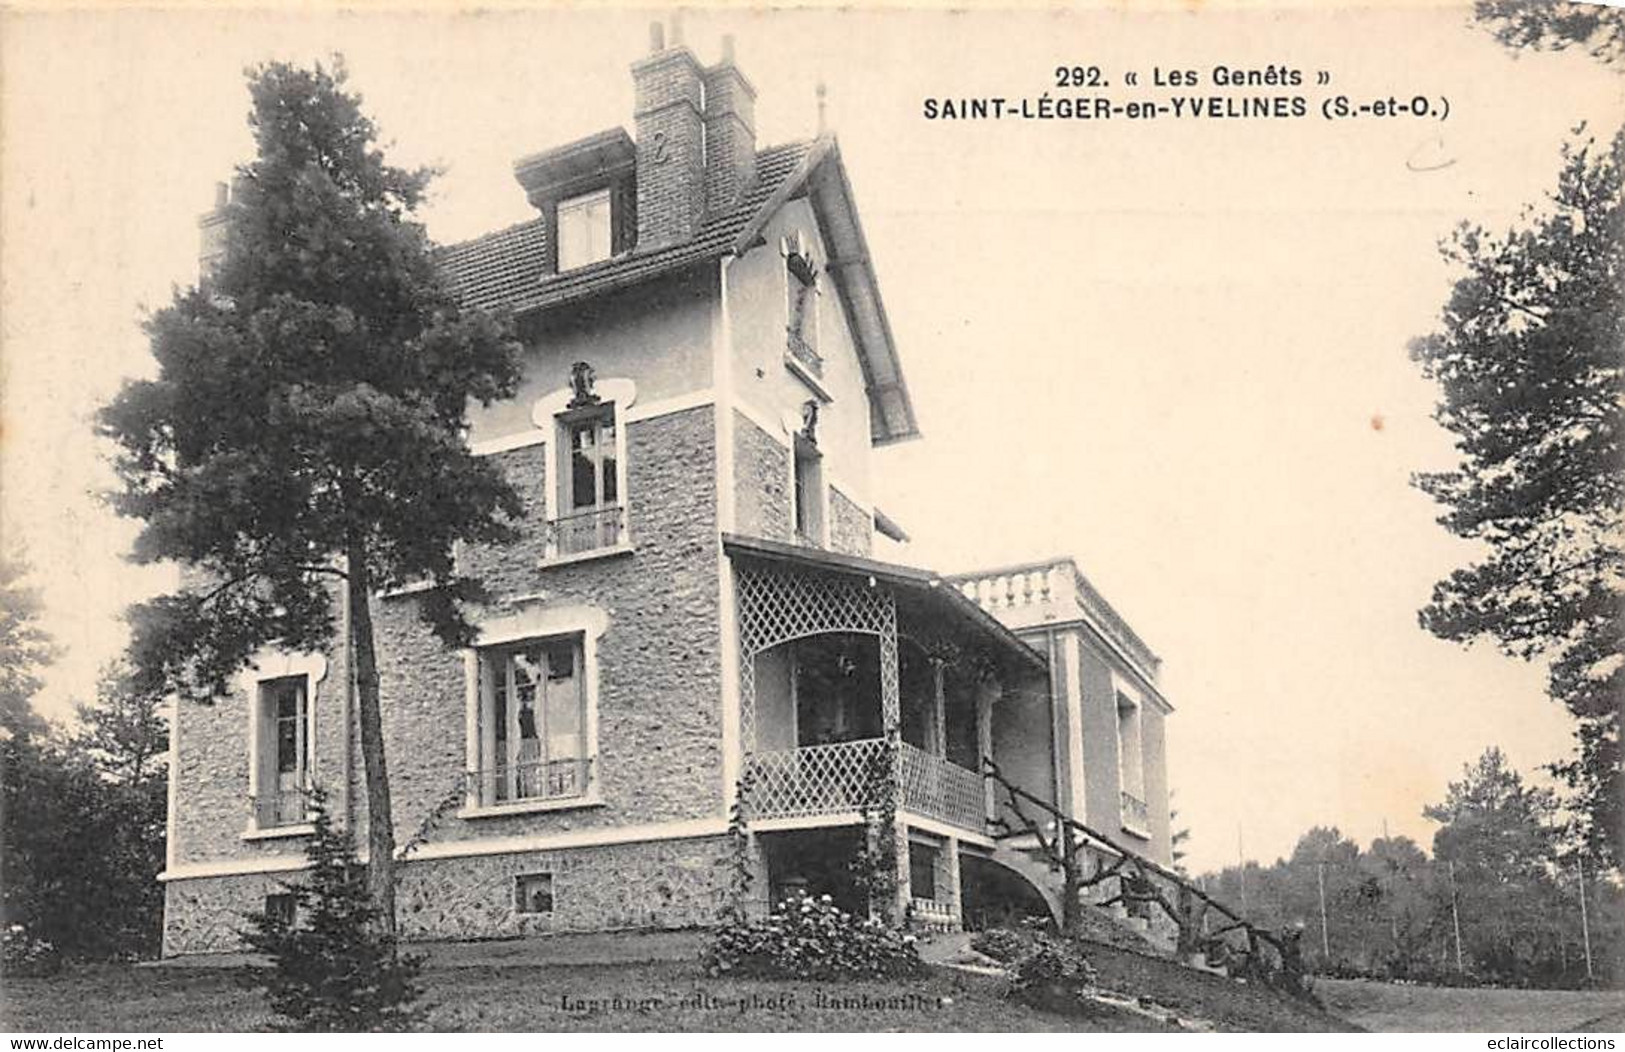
{"points": [[810, 938], [1001, 944], [26, 953], [332, 969], [1054, 974]]}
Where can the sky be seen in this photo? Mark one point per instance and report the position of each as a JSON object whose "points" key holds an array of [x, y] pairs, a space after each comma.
{"points": [[1173, 349]]}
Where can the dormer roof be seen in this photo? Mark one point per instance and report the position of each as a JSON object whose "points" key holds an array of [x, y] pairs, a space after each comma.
{"points": [[508, 269]]}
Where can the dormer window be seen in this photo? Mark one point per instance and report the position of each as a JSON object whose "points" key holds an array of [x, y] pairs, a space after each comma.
{"points": [[585, 230]]}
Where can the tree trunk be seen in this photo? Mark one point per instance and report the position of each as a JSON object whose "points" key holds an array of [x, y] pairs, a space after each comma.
{"points": [[380, 821]]}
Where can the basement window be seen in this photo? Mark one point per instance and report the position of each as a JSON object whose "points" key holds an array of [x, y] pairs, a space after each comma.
{"points": [[585, 234], [533, 894], [281, 909]]}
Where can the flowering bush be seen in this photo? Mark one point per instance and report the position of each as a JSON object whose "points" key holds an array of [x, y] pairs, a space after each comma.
{"points": [[810, 938], [26, 953]]}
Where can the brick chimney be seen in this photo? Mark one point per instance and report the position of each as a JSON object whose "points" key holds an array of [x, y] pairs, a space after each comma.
{"points": [[668, 110], [730, 132]]}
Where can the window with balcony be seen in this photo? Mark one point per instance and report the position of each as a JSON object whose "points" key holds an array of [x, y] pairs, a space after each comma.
{"points": [[801, 308], [591, 515], [283, 745], [533, 723], [585, 232], [1131, 762]]}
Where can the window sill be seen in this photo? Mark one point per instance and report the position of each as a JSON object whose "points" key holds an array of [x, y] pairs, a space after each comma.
{"points": [[526, 807], [806, 376], [278, 832], [583, 557], [1136, 831], [406, 589]]}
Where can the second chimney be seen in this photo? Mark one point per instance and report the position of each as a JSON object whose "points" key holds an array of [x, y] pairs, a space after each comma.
{"points": [[668, 110], [730, 132]]}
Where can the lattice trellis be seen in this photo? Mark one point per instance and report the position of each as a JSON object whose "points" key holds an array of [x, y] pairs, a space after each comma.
{"points": [[777, 605], [815, 780]]}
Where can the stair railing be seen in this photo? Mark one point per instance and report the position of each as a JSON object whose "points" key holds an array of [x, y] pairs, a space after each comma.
{"points": [[1133, 872]]}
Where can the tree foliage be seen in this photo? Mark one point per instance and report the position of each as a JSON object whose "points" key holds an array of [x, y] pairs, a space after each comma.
{"points": [[1556, 25], [305, 434], [1530, 361], [25, 649], [124, 732], [1498, 865], [331, 968]]}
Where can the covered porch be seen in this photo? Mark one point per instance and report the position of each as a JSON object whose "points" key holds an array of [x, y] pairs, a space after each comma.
{"points": [[864, 684]]}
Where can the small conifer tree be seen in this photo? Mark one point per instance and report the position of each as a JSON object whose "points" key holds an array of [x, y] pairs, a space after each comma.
{"points": [[333, 968]]}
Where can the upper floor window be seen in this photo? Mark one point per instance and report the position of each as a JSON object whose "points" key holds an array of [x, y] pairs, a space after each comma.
{"points": [[801, 306], [1131, 762], [808, 495], [589, 498], [585, 232], [532, 723], [283, 763]]}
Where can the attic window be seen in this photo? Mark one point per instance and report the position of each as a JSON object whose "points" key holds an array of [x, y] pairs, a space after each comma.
{"points": [[585, 232], [801, 306]]}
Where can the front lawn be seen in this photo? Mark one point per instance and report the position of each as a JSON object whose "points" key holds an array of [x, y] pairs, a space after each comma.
{"points": [[661, 996]]}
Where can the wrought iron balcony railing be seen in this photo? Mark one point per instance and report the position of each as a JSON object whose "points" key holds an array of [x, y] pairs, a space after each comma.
{"points": [[1135, 814], [803, 353], [842, 777], [282, 807], [528, 781], [586, 531]]}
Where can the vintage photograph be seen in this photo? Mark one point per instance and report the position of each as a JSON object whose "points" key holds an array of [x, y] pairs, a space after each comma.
{"points": [[1097, 518]]}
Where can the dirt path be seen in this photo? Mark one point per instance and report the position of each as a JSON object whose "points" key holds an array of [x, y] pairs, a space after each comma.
{"points": [[1394, 1008]]}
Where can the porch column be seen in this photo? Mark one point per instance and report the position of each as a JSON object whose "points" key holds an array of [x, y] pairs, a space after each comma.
{"points": [[891, 704], [985, 693], [939, 715], [950, 879]]}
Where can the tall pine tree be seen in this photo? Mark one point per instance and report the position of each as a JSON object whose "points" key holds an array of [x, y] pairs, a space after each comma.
{"points": [[304, 437], [1530, 361]]}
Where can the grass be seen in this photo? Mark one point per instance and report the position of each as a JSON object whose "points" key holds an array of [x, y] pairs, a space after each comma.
{"points": [[660, 996], [1392, 1007], [650, 982]]}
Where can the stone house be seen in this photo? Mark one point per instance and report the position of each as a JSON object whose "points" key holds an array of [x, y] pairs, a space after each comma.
{"points": [[696, 608]]}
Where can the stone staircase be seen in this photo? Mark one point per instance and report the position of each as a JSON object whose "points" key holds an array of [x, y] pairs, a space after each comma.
{"points": [[1112, 925]]}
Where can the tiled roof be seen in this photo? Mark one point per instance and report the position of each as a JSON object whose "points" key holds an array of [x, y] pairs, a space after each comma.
{"points": [[508, 268]]}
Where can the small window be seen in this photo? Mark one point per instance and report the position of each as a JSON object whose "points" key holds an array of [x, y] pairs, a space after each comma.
{"points": [[922, 871], [533, 893], [809, 494], [281, 909], [584, 230]]}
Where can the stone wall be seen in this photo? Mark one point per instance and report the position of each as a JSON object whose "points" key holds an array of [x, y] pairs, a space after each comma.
{"points": [[851, 529], [659, 705], [659, 670], [761, 482], [658, 884]]}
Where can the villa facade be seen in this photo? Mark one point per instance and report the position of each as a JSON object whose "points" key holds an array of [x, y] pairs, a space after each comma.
{"points": [[699, 605]]}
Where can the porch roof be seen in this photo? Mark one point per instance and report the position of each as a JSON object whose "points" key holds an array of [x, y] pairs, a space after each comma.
{"points": [[924, 584]]}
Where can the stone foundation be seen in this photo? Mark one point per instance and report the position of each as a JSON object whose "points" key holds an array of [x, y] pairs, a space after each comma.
{"points": [[650, 884]]}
